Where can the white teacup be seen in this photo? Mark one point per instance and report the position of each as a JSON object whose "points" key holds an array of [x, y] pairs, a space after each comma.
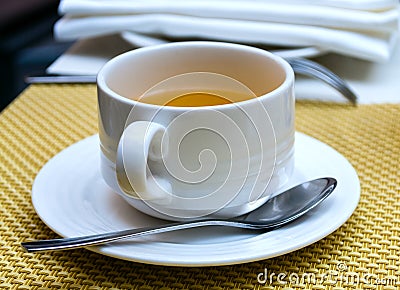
{"points": [[200, 157]]}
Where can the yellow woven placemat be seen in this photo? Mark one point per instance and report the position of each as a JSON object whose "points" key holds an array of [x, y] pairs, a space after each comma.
{"points": [[362, 254]]}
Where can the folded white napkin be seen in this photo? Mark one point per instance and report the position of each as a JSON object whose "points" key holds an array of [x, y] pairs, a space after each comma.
{"points": [[360, 28]]}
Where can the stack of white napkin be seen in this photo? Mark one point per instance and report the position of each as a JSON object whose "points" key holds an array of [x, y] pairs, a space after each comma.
{"points": [[364, 29]]}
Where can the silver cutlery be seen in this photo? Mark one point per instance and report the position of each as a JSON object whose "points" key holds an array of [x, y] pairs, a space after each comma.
{"points": [[60, 79], [312, 69], [276, 212], [300, 66]]}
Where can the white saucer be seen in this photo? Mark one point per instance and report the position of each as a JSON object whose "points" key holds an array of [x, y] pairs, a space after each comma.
{"points": [[141, 40], [70, 196]]}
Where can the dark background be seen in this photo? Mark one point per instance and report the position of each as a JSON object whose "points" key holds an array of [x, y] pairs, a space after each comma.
{"points": [[26, 43]]}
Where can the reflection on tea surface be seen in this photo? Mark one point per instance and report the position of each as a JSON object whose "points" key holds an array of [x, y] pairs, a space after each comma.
{"points": [[194, 99]]}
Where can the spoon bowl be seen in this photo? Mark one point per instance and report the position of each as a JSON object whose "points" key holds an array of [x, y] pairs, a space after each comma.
{"points": [[276, 212]]}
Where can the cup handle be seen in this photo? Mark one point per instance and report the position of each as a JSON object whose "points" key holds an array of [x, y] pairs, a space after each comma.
{"points": [[140, 141]]}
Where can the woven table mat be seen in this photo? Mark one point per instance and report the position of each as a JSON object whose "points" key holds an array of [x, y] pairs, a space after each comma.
{"points": [[362, 254]]}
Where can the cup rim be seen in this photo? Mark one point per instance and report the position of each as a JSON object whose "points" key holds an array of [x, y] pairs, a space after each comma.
{"points": [[284, 86]]}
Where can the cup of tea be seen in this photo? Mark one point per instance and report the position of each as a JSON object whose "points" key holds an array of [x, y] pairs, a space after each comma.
{"points": [[197, 129]]}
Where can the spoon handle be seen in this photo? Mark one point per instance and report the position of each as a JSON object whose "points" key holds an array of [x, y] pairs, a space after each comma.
{"points": [[78, 242]]}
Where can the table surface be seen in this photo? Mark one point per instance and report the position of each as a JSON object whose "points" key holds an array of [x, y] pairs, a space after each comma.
{"points": [[362, 254]]}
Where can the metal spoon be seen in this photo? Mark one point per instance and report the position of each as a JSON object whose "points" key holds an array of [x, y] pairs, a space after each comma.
{"points": [[276, 212]]}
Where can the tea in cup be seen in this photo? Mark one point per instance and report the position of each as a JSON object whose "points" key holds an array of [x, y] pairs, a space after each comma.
{"points": [[195, 130]]}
